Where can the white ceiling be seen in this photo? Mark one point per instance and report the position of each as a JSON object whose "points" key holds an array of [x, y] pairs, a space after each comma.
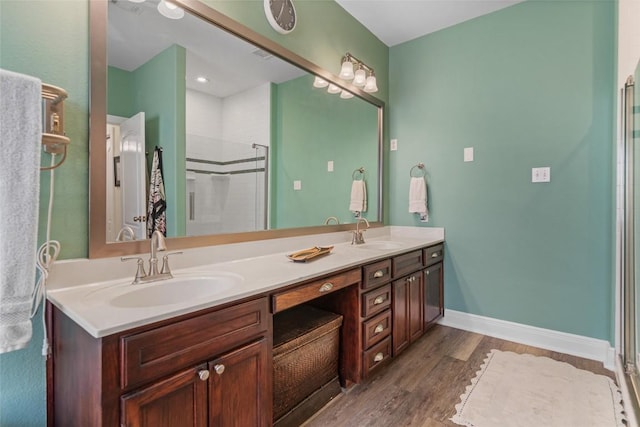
{"points": [[397, 21]]}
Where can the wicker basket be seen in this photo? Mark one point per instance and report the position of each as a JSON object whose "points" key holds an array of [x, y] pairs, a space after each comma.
{"points": [[306, 344]]}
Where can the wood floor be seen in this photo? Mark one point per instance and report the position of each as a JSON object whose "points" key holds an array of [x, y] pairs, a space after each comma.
{"points": [[421, 387]]}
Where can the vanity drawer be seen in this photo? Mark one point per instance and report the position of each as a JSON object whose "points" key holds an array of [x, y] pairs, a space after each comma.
{"points": [[407, 263], [376, 274], [376, 356], [317, 288], [433, 254], [375, 301], [376, 329], [164, 350]]}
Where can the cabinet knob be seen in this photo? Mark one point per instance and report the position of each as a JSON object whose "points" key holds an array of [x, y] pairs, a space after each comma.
{"points": [[378, 329], [219, 369], [378, 274], [203, 374], [378, 357], [435, 255], [378, 300], [427, 272], [326, 287]]}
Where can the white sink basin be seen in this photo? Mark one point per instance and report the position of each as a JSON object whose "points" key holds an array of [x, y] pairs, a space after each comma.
{"points": [[179, 289], [381, 245]]}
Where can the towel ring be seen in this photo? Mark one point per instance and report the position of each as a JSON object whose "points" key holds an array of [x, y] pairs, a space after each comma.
{"points": [[355, 173], [422, 170]]}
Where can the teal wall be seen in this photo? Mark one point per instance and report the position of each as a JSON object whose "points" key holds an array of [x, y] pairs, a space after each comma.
{"points": [[528, 86], [158, 88], [50, 40], [306, 139]]}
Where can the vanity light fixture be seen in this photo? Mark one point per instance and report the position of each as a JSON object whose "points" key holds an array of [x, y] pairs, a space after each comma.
{"points": [[345, 94], [363, 77], [170, 10], [320, 82], [333, 89]]}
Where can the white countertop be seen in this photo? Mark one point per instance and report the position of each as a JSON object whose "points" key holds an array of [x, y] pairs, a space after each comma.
{"points": [[77, 292]]}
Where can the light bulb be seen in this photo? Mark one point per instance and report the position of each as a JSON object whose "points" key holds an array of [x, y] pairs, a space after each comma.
{"points": [[371, 85], [320, 82], [360, 78], [333, 88], [202, 79], [345, 95], [346, 72]]}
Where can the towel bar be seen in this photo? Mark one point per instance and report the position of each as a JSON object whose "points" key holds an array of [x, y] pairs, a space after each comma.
{"points": [[53, 137], [419, 166], [355, 173]]}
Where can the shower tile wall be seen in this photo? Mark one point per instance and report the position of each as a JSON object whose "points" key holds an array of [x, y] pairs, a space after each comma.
{"points": [[224, 130]]}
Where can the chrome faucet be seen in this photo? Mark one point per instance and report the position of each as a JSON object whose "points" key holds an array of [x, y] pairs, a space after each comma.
{"points": [[158, 244], [331, 218], [358, 237]]}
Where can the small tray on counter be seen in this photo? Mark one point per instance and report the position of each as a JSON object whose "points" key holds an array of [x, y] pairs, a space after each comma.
{"points": [[309, 254]]}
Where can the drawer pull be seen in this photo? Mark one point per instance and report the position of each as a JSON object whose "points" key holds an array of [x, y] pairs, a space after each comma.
{"points": [[435, 255], [378, 274], [378, 357], [203, 375], [219, 369], [326, 287], [378, 300], [378, 329]]}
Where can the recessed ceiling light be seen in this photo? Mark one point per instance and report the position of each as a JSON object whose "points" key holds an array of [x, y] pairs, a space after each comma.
{"points": [[202, 79]]}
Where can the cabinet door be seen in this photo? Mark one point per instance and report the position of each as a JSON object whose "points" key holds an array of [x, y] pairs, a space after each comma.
{"points": [[434, 296], [416, 307], [180, 400], [241, 387]]}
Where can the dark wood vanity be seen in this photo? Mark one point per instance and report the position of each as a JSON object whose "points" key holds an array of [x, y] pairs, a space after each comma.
{"points": [[214, 367]]}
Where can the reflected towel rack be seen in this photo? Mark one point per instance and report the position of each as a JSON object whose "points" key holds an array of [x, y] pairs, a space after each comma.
{"points": [[355, 173], [53, 137], [420, 166]]}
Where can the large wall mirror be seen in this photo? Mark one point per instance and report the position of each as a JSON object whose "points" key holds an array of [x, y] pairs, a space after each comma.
{"points": [[249, 148]]}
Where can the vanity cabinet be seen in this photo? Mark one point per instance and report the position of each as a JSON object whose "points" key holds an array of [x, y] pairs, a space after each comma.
{"points": [[408, 300], [213, 368], [433, 285]]}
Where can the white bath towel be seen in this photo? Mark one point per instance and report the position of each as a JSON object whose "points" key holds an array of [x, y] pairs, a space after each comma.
{"points": [[20, 142], [418, 198], [358, 201]]}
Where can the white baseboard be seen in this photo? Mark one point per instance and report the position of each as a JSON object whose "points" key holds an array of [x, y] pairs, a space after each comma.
{"points": [[576, 345]]}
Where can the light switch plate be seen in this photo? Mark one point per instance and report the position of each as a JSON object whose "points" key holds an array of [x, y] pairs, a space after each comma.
{"points": [[297, 185], [330, 166], [468, 154], [541, 174], [394, 145]]}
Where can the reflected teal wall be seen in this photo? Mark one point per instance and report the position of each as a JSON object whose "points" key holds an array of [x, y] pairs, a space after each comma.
{"points": [[158, 88], [49, 39], [306, 139], [528, 86]]}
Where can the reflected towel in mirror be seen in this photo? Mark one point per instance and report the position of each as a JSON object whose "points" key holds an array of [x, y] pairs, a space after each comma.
{"points": [[358, 201]]}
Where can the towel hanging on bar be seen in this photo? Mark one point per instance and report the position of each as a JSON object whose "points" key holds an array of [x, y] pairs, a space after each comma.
{"points": [[157, 205], [418, 198]]}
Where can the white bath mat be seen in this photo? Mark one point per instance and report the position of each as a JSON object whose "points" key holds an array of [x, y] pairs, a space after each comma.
{"points": [[530, 391]]}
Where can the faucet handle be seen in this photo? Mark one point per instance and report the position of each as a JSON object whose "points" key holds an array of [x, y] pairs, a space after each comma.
{"points": [[140, 273], [165, 262]]}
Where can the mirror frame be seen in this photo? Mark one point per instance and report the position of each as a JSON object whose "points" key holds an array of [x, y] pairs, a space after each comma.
{"points": [[98, 247]]}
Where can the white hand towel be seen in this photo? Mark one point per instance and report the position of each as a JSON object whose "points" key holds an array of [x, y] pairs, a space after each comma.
{"points": [[20, 142], [358, 201], [418, 198]]}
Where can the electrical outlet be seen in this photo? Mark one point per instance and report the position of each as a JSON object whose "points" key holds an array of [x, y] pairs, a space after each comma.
{"points": [[394, 145], [297, 185], [330, 166], [541, 174], [468, 154]]}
